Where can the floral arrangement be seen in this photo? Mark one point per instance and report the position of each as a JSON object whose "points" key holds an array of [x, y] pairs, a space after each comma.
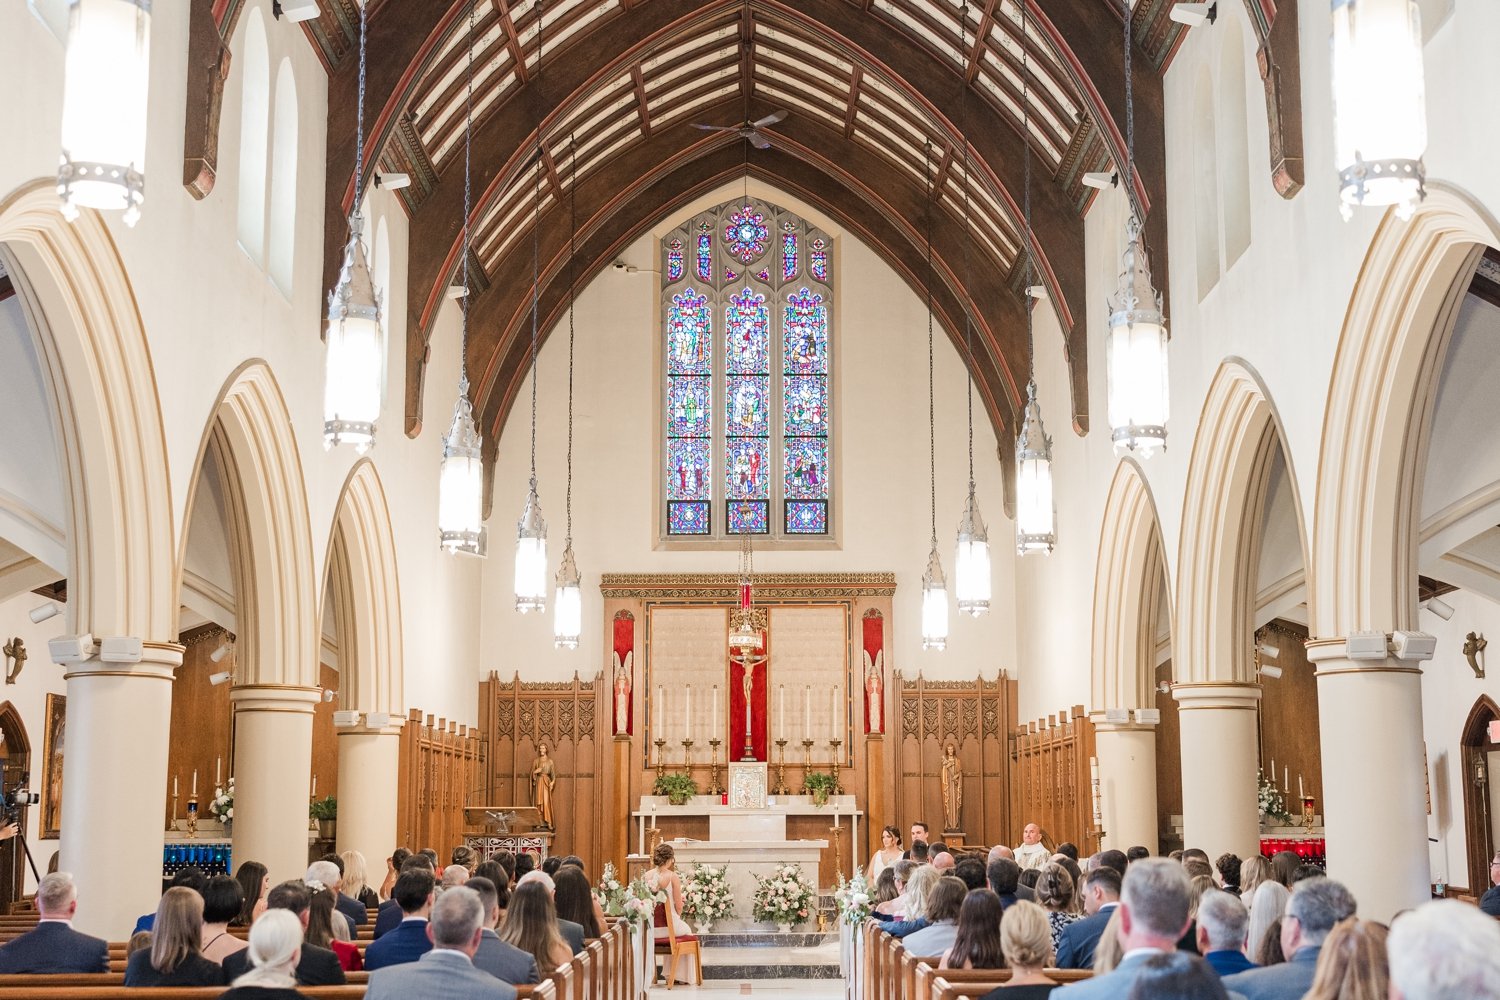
{"points": [[633, 901], [706, 895], [783, 897], [677, 786], [222, 806], [1268, 798], [853, 899], [819, 785]]}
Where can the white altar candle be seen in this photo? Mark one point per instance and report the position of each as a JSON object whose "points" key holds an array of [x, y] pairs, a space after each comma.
{"points": [[315, 786], [174, 786], [1300, 793], [660, 714], [807, 713], [835, 819], [653, 818], [1286, 778], [195, 781], [218, 772], [1273, 769], [687, 710], [781, 695], [833, 711], [715, 734]]}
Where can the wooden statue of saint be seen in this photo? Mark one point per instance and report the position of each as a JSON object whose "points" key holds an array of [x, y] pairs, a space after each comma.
{"points": [[543, 781]]}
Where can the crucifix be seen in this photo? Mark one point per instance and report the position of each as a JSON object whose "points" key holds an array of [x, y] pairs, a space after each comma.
{"points": [[748, 657]]}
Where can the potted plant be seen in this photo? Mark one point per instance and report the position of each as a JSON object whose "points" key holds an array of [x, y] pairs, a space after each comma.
{"points": [[677, 786], [819, 785], [706, 896], [783, 897], [325, 811]]}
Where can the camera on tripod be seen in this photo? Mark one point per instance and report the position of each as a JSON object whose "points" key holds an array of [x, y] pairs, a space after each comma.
{"points": [[17, 799]]}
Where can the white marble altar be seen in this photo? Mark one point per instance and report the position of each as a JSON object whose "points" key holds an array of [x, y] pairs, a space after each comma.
{"points": [[745, 860]]}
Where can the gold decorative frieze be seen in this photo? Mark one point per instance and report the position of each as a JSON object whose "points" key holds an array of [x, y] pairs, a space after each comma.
{"points": [[769, 587]]}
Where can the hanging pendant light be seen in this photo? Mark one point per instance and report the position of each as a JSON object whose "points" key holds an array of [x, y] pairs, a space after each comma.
{"points": [[106, 78], [1036, 527], [461, 480], [971, 563], [567, 621], [1379, 104], [934, 584], [531, 529], [352, 387], [1136, 349]]}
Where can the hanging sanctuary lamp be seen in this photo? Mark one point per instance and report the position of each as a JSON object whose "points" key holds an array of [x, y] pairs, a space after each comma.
{"points": [[934, 584]]}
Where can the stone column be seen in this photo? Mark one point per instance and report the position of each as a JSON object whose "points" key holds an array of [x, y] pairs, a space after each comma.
{"points": [[1220, 754], [1126, 752], [272, 772], [1374, 777], [369, 774], [114, 786]]}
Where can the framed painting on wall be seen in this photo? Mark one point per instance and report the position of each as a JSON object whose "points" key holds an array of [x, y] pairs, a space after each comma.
{"points": [[52, 767]]}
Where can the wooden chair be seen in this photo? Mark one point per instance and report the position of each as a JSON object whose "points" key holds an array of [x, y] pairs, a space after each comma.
{"points": [[673, 948]]}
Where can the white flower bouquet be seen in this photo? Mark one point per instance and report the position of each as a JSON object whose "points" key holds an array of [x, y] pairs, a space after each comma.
{"points": [[634, 900], [1268, 798], [706, 895], [853, 899], [222, 806], [784, 896]]}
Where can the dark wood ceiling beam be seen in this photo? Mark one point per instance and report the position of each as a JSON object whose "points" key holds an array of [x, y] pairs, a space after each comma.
{"points": [[642, 109], [851, 112], [513, 42], [981, 35], [747, 57]]}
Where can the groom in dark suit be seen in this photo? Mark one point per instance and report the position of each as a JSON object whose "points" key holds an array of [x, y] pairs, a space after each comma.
{"points": [[54, 946]]}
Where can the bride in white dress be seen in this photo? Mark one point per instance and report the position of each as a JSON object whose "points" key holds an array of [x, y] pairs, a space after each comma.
{"points": [[664, 879], [889, 854]]}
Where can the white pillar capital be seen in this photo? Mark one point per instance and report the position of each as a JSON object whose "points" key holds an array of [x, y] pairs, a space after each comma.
{"points": [[159, 661], [1217, 695], [274, 698]]}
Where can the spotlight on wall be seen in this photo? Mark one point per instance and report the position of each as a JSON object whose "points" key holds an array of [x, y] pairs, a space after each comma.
{"points": [[218, 678], [1101, 179], [1436, 605], [329, 694], [1194, 14], [1163, 687], [392, 181], [51, 609], [1266, 670], [1268, 651], [225, 648], [294, 10], [71, 648]]}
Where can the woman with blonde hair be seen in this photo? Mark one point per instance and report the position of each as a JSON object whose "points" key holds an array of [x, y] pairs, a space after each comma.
{"points": [[922, 882], [1026, 940], [1253, 871], [356, 880], [531, 925], [1109, 950], [1267, 907], [175, 957], [275, 949], [1352, 964]]}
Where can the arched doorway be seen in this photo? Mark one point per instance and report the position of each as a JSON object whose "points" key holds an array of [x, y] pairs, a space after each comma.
{"points": [[15, 772], [1480, 756]]}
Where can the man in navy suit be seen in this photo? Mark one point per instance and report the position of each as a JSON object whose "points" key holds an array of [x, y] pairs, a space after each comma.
{"points": [[389, 916], [1317, 904], [1222, 925], [409, 941], [54, 946], [1101, 894]]}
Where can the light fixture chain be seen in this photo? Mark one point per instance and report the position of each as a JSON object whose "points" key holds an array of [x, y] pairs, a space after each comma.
{"points": [[463, 351], [1026, 189], [1129, 110], [931, 409], [536, 229], [572, 251], [963, 117], [359, 111]]}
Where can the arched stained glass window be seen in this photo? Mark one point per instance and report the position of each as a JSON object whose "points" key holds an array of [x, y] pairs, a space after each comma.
{"points": [[748, 374]]}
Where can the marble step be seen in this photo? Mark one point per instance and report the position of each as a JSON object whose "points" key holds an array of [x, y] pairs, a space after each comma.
{"points": [[784, 961], [767, 939]]}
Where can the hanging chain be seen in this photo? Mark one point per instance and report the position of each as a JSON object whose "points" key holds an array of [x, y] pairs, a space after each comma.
{"points": [[963, 118], [1026, 189], [359, 112], [463, 350], [572, 250], [536, 228], [931, 409], [1129, 112]]}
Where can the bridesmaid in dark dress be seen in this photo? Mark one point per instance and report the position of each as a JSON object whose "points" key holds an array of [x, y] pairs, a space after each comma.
{"points": [[175, 958], [275, 948]]}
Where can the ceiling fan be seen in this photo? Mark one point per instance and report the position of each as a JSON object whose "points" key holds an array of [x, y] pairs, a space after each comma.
{"points": [[750, 130]]}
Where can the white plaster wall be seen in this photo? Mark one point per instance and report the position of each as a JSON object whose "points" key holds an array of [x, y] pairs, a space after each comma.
{"points": [[880, 354], [32, 508], [207, 309], [1461, 462]]}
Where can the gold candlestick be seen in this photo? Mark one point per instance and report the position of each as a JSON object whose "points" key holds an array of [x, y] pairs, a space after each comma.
{"points": [[192, 816], [687, 756], [781, 788], [838, 853], [1307, 811], [714, 788], [172, 823], [660, 762], [807, 746], [835, 744]]}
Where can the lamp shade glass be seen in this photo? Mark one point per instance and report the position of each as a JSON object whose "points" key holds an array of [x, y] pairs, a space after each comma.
{"points": [[461, 483], [971, 563], [1137, 355], [567, 608], [934, 604], [355, 376], [1036, 517], [106, 77], [531, 556], [1379, 104]]}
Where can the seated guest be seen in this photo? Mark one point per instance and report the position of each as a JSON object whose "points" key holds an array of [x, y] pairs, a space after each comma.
{"points": [[920, 853], [524, 863], [504, 961], [1177, 976], [915, 918], [1004, 875], [1228, 867], [275, 947], [1196, 867], [885, 886], [139, 941], [1031, 852], [447, 969], [1101, 894], [255, 882], [942, 861], [1284, 865], [393, 868], [465, 857], [1070, 849], [1109, 951], [575, 901], [551, 865], [223, 900], [1153, 913], [493, 871], [191, 877], [1054, 892], [943, 904], [571, 931], [505, 859], [971, 872], [531, 925], [1266, 906], [389, 916], [1307, 871], [1026, 939], [409, 941], [1028, 880], [1315, 907], [315, 966], [176, 935], [1270, 952], [1070, 866], [453, 875], [1136, 853], [976, 945], [1444, 950], [353, 909], [1223, 923], [1114, 859], [1352, 964], [326, 874], [356, 884], [327, 929], [901, 871], [53, 945]]}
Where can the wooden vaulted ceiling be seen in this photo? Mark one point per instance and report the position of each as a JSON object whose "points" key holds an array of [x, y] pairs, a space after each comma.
{"points": [[869, 84]]}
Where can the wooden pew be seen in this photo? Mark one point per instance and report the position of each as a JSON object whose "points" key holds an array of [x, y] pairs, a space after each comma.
{"points": [[540, 991]]}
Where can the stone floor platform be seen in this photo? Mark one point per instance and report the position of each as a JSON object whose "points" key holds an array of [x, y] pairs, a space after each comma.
{"points": [[761, 957]]}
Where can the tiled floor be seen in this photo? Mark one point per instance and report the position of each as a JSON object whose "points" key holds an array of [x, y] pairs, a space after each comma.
{"points": [[784, 989]]}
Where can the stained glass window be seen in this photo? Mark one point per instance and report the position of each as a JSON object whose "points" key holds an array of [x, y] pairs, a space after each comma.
{"points": [[747, 397]]}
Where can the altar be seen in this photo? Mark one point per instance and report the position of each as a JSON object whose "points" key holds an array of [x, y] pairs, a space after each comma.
{"points": [[750, 842]]}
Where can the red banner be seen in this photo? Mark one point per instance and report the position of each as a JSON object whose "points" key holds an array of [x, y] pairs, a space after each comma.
{"points": [[874, 668], [736, 727], [622, 703]]}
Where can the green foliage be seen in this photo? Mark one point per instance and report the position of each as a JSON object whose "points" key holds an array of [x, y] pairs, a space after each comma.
{"points": [[677, 786], [820, 785], [324, 808]]}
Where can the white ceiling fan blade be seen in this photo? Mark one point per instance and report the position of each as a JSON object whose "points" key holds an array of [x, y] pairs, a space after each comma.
{"points": [[758, 141], [717, 128], [770, 119]]}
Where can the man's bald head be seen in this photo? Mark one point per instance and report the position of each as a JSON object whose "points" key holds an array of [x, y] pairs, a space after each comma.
{"points": [[999, 851], [943, 861]]}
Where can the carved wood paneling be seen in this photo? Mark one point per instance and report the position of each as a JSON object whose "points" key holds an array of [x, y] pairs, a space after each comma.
{"points": [[1051, 780], [515, 718], [934, 713], [440, 763]]}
